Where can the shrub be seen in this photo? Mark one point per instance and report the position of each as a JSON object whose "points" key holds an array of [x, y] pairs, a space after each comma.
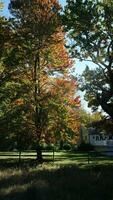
{"points": [[85, 147]]}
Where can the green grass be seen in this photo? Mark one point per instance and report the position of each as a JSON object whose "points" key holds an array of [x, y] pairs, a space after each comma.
{"points": [[61, 157], [69, 177]]}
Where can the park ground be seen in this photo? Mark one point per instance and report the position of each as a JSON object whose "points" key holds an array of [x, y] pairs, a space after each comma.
{"points": [[70, 176]]}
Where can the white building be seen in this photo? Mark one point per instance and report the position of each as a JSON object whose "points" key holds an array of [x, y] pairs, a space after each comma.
{"points": [[102, 143], [101, 140]]}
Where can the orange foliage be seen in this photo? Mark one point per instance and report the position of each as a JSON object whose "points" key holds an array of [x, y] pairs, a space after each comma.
{"points": [[59, 57], [18, 102]]}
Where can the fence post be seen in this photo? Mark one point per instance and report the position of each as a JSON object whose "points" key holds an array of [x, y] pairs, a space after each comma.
{"points": [[19, 158], [88, 157], [53, 153], [89, 148]]}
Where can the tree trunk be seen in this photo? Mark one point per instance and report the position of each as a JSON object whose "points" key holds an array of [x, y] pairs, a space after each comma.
{"points": [[19, 161], [37, 92], [108, 108], [53, 154], [39, 154], [61, 144]]}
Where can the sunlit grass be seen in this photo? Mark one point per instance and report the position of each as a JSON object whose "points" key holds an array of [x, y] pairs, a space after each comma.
{"points": [[60, 158]]}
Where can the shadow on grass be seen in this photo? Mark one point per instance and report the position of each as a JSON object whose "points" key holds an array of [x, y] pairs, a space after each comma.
{"points": [[60, 158], [14, 163], [65, 183]]}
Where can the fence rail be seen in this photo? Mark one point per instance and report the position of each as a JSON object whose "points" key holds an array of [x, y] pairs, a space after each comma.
{"points": [[25, 154], [61, 156]]}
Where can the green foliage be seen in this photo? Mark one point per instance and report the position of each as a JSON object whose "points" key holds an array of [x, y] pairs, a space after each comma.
{"points": [[90, 28], [95, 85], [85, 118]]}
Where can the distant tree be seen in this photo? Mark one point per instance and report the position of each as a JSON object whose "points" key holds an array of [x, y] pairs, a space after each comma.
{"points": [[85, 117], [103, 125], [90, 28], [64, 118]]}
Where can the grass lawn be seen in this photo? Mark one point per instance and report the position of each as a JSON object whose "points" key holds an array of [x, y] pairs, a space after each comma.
{"points": [[69, 177]]}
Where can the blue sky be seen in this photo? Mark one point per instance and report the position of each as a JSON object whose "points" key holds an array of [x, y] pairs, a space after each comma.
{"points": [[5, 11], [63, 2]]}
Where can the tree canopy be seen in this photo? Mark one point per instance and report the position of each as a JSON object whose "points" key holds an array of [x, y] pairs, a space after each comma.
{"points": [[38, 100], [90, 29]]}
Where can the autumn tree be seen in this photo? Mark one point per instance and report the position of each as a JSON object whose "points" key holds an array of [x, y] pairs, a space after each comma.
{"points": [[28, 52], [90, 28], [35, 67], [35, 54]]}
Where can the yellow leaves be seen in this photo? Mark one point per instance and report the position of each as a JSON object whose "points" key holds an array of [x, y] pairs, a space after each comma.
{"points": [[55, 52], [1, 5], [59, 57], [46, 9]]}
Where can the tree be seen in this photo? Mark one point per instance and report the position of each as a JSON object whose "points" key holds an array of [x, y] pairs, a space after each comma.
{"points": [[33, 22], [35, 56], [104, 126], [90, 29], [97, 88]]}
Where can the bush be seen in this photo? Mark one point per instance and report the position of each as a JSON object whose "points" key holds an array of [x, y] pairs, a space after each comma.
{"points": [[85, 147], [49, 147], [67, 147]]}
